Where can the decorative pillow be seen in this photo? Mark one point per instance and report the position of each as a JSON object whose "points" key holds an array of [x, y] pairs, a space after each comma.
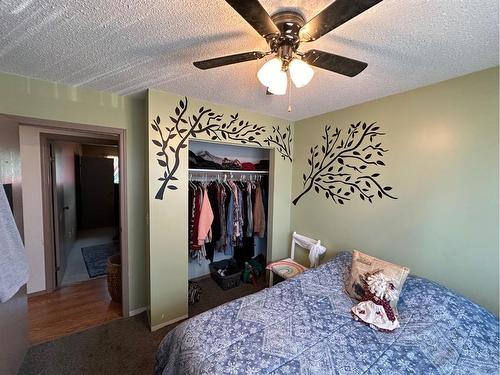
{"points": [[363, 264]]}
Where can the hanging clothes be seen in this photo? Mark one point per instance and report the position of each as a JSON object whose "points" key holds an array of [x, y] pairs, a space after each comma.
{"points": [[230, 224], [259, 215], [205, 220], [222, 204], [249, 211], [225, 216], [195, 219], [212, 191]]}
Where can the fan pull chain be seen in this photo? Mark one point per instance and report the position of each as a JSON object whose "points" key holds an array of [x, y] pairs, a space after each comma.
{"points": [[289, 93]]}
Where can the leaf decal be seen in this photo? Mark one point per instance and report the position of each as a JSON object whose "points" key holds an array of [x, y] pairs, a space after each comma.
{"points": [[185, 124], [345, 169]]}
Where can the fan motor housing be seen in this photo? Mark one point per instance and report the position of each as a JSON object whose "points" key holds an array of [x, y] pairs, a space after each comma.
{"points": [[289, 24]]}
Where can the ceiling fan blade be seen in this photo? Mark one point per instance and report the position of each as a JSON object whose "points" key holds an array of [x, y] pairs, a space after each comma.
{"points": [[334, 63], [228, 60], [333, 16], [255, 14]]}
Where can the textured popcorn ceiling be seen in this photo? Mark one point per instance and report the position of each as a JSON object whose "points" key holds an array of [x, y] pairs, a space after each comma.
{"points": [[126, 46]]}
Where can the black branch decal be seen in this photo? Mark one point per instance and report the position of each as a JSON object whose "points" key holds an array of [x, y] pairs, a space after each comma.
{"points": [[282, 141], [173, 138], [342, 168]]}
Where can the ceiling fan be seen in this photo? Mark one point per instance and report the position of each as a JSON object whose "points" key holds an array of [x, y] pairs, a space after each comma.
{"points": [[284, 32]]}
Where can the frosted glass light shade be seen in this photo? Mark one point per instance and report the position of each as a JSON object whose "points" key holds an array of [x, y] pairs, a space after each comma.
{"points": [[300, 72], [268, 71], [279, 83]]}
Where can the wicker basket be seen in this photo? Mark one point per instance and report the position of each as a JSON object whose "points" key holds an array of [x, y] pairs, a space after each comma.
{"points": [[114, 276], [228, 281]]}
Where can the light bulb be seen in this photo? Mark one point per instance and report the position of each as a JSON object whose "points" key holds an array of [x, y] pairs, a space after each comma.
{"points": [[268, 71], [300, 72], [278, 84]]}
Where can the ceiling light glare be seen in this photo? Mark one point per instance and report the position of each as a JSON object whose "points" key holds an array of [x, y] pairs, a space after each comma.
{"points": [[300, 72], [268, 71], [279, 84]]}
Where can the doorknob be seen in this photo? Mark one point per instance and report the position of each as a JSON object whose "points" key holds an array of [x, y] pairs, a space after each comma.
{"points": [[66, 208]]}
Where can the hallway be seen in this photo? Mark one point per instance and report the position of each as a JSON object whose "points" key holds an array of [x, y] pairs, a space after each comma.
{"points": [[76, 269]]}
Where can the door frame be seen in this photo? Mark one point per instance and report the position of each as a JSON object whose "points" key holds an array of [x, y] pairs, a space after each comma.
{"points": [[65, 131], [51, 282]]}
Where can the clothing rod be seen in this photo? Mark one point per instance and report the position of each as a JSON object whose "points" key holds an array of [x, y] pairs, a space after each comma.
{"points": [[220, 171]]}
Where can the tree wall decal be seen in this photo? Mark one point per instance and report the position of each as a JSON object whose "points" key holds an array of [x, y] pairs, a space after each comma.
{"points": [[341, 166], [282, 141], [173, 138]]}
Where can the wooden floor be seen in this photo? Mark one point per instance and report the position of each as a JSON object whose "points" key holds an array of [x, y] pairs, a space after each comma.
{"points": [[70, 309]]}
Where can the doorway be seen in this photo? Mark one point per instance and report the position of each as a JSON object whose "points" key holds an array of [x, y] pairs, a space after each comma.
{"points": [[85, 208], [83, 202]]}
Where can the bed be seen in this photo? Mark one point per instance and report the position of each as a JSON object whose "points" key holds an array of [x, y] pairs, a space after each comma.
{"points": [[304, 326]]}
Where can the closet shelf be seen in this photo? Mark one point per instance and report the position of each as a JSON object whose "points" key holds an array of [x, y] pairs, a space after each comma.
{"points": [[227, 171]]}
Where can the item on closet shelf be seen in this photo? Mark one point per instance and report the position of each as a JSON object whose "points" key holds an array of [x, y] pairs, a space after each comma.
{"points": [[194, 292], [232, 274], [196, 162], [248, 166], [363, 264], [205, 155], [13, 262], [375, 310], [262, 165], [231, 164]]}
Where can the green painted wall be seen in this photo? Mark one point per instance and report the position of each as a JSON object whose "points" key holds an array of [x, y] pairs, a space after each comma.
{"points": [[442, 163], [168, 218], [443, 166], [27, 97]]}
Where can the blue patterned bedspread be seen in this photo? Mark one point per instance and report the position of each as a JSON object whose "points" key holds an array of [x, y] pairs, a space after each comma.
{"points": [[304, 326]]}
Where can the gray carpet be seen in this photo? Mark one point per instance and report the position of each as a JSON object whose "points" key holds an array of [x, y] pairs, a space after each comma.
{"points": [[124, 346]]}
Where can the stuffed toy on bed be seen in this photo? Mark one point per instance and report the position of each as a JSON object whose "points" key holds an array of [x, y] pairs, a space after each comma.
{"points": [[375, 309]]}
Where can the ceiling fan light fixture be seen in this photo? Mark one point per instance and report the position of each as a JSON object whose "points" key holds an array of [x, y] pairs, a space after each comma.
{"points": [[278, 84], [300, 73], [269, 70]]}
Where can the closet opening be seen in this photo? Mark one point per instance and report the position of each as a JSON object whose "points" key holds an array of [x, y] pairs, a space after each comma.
{"points": [[228, 220]]}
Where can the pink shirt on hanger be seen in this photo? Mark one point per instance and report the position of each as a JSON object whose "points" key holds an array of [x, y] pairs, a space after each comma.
{"points": [[206, 219]]}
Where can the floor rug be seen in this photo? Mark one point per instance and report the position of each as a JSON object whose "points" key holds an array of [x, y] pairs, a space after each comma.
{"points": [[96, 257]]}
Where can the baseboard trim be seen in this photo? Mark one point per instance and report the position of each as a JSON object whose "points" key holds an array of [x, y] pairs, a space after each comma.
{"points": [[137, 311], [161, 325], [199, 278], [38, 293]]}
